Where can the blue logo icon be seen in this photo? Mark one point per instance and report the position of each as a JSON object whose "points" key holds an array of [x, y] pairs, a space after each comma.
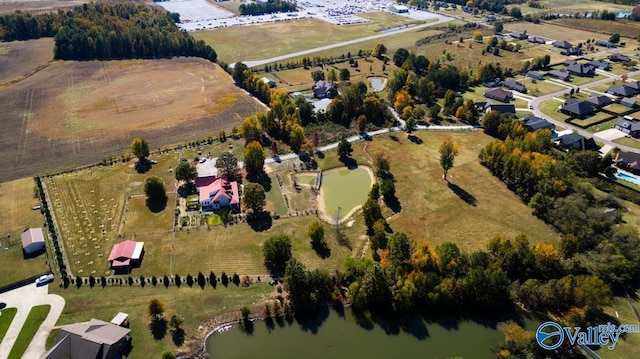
{"points": [[550, 338]]}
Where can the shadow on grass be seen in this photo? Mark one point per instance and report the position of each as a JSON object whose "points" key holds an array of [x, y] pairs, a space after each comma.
{"points": [[143, 166], [260, 222], [349, 162], [414, 139], [393, 203], [178, 336], [467, 197], [322, 250], [158, 328], [263, 179], [157, 205], [320, 154]]}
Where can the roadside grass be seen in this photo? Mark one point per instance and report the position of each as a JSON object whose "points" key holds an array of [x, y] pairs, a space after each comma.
{"points": [[540, 88], [51, 339], [549, 30], [627, 346], [579, 81], [196, 306], [6, 318], [36, 316], [16, 201], [627, 141], [550, 108]]}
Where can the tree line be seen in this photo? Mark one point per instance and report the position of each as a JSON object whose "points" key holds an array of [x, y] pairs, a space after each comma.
{"points": [[107, 31], [269, 7]]}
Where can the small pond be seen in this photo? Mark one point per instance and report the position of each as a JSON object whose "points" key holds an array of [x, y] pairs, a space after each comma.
{"points": [[377, 83], [345, 188]]}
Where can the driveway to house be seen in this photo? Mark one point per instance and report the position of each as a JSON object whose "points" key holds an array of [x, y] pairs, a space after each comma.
{"points": [[24, 298], [610, 134]]}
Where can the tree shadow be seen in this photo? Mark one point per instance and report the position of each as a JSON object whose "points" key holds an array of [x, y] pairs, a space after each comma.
{"points": [[143, 166], [393, 203], [415, 139], [320, 154], [263, 179], [186, 189], [247, 327], [158, 328], [322, 250], [178, 336], [467, 197], [349, 162], [157, 205], [260, 221]]}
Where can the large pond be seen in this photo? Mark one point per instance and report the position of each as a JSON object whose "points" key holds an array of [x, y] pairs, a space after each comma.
{"points": [[339, 336], [377, 83], [345, 188]]}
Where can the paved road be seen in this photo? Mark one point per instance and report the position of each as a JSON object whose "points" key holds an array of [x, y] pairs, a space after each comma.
{"points": [[23, 299], [536, 111], [441, 19]]}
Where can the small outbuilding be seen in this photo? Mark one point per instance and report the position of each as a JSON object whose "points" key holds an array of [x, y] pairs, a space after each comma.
{"points": [[269, 81], [399, 9], [126, 255], [32, 241]]}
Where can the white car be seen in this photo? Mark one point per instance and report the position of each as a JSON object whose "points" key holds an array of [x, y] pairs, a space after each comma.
{"points": [[203, 160], [45, 279]]}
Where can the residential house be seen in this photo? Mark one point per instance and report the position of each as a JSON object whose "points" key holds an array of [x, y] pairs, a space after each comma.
{"points": [[605, 43], [572, 51], [535, 75], [577, 109], [631, 128], [599, 101], [492, 83], [536, 40], [575, 141], [325, 89], [628, 101], [635, 85], [629, 161], [270, 82], [561, 44], [221, 193], [617, 57], [510, 109], [515, 85], [95, 339], [560, 74], [519, 35], [569, 62], [126, 255], [582, 70], [32, 241], [601, 64], [622, 91], [532, 123], [499, 94]]}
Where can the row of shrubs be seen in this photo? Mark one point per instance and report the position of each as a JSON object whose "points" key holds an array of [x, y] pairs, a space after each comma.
{"points": [[201, 280], [44, 209]]}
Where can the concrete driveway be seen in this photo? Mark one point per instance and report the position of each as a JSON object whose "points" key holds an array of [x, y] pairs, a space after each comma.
{"points": [[24, 298], [610, 134]]}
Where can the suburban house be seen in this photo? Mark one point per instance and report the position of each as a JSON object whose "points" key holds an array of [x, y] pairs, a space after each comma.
{"points": [[32, 241], [577, 109], [270, 82], [575, 141], [515, 85], [532, 123], [536, 39], [628, 101], [519, 35], [601, 64], [492, 83], [631, 128], [622, 91], [499, 94], [95, 339], [582, 70], [629, 161], [572, 51], [569, 62], [126, 255], [535, 75], [325, 89], [635, 85], [560, 74], [599, 101], [220, 193], [617, 57], [561, 44], [511, 109], [605, 43]]}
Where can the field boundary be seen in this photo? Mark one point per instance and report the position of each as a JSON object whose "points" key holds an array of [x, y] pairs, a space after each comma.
{"points": [[15, 80]]}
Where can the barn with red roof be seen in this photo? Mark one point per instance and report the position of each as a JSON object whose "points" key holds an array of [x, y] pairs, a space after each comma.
{"points": [[127, 254]]}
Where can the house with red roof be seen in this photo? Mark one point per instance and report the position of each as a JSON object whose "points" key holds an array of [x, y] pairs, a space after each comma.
{"points": [[126, 255], [218, 194]]}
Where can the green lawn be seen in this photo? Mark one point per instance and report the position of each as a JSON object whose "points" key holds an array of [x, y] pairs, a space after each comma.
{"points": [[51, 339], [36, 316], [602, 126], [275, 201], [628, 141], [550, 108], [214, 220], [628, 345], [593, 119], [617, 108], [540, 88], [6, 316], [579, 81]]}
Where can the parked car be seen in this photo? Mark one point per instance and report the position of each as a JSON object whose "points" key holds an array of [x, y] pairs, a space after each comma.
{"points": [[3, 305], [45, 279], [203, 160], [35, 207]]}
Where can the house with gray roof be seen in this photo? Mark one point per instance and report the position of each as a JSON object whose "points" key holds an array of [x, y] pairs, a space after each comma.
{"points": [[582, 70], [510, 109], [533, 123], [599, 101], [572, 51], [629, 102], [618, 57], [622, 91], [629, 161], [560, 74], [601, 64], [577, 142], [515, 86], [631, 128], [577, 109], [499, 94], [519, 35], [535, 75], [635, 85], [95, 339], [561, 44], [536, 40]]}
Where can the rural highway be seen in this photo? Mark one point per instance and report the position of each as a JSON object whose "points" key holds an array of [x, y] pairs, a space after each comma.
{"points": [[441, 19], [536, 111]]}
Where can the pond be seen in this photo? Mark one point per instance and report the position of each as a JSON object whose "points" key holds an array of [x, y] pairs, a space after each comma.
{"points": [[377, 83], [336, 336], [346, 189]]}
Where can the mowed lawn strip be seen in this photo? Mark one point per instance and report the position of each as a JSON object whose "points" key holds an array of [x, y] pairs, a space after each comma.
{"points": [[36, 316], [16, 201], [194, 305], [6, 318]]}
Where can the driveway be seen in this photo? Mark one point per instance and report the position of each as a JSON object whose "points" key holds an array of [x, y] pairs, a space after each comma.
{"points": [[23, 299], [610, 134]]}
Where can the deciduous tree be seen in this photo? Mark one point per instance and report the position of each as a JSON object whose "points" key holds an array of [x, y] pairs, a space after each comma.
{"points": [[254, 197], [154, 188], [185, 171], [227, 165], [344, 149], [254, 159], [448, 151], [140, 148], [277, 252]]}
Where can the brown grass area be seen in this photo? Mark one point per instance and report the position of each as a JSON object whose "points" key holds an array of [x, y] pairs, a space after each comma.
{"points": [[16, 200], [41, 6], [554, 31], [21, 58], [74, 113], [624, 28]]}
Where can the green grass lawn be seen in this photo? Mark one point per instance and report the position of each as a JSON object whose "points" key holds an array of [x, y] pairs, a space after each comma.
{"points": [[593, 119], [36, 316], [6, 316], [617, 108], [602, 126], [195, 305], [550, 108], [540, 88], [579, 81], [214, 220], [627, 346], [16, 200], [628, 141], [51, 339], [275, 201]]}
